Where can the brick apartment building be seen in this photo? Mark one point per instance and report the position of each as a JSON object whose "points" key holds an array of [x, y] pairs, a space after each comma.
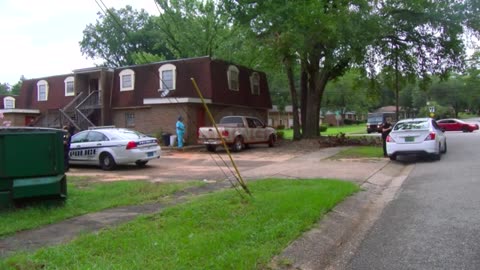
{"points": [[148, 98]]}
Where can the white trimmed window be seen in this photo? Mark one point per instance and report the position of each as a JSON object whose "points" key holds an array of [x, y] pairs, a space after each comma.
{"points": [[129, 119], [42, 90], [168, 77], [9, 103], [232, 75], [255, 83], [69, 86], [127, 80]]}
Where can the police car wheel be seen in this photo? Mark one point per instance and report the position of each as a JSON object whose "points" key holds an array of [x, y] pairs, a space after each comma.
{"points": [[141, 163], [107, 162]]}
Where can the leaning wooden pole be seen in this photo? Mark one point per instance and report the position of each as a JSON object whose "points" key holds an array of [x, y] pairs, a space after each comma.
{"points": [[240, 179]]}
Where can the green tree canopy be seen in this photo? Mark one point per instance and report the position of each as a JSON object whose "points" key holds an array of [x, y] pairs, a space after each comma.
{"points": [[119, 36]]}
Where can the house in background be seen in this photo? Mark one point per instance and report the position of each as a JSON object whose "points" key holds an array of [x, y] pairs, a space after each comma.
{"points": [[148, 98], [335, 118], [278, 118], [402, 112], [13, 116]]}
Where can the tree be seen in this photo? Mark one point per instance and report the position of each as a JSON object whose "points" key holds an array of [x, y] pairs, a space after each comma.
{"points": [[192, 28], [452, 93], [15, 90], [418, 39], [326, 36], [4, 89], [119, 36], [347, 93], [333, 36]]}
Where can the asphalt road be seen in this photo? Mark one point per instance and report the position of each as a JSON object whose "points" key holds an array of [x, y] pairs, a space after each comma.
{"points": [[434, 222]]}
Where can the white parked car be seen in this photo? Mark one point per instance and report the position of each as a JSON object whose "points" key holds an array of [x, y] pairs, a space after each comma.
{"points": [[109, 146], [418, 136]]}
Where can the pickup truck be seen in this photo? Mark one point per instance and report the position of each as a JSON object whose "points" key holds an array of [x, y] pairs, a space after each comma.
{"points": [[238, 132]]}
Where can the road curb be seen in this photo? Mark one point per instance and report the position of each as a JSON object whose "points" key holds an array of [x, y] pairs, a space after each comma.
{"points": [[331, 242]]}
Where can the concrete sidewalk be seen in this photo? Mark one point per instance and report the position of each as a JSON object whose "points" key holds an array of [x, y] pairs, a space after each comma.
{"points": [[311, 165]]}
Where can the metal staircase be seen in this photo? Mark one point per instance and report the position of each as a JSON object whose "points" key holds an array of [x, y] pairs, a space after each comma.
{"points": [[75, 113], [78, 111]]}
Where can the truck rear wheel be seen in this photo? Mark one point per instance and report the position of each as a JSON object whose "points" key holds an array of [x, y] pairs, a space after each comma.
{"points": [[237, 144], [271, 141]]}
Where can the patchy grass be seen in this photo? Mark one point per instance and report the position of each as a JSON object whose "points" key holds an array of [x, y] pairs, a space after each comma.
{"points": [[85, 197], [214, 231], [350, 129], [463, 115], [360, 152]]}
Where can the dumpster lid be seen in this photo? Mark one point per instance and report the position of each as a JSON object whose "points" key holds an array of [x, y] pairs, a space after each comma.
{"points": [[27, 129]]}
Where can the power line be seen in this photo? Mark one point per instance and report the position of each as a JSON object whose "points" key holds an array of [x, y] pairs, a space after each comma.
{"points": [[107, 12]]}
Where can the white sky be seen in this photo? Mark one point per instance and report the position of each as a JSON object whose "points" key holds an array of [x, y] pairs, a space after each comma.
{"points": [[41, 38]]}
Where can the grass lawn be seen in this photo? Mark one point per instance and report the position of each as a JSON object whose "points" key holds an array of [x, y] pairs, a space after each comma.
{"points": [[462, 115], [350, 129], [214, 231], [360, 152], [85, 197]]}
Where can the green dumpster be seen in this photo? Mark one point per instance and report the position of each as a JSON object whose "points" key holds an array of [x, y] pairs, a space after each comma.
{"points": [[31, 164]]}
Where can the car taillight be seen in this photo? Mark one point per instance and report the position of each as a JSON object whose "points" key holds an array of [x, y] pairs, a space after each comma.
{"points": [[131, 145], [225, 133], [390, 139], [430, 136]]}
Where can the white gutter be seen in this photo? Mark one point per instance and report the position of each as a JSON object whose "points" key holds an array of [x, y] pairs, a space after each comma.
{"points": [[151, 101]]}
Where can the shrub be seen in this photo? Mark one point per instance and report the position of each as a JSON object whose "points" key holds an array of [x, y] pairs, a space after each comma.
{"points": [[281, 127], [350, 122], [280, 134], [323, 128]]}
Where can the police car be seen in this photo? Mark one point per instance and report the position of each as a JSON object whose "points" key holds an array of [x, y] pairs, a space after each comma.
{"points": [[110, 146]]}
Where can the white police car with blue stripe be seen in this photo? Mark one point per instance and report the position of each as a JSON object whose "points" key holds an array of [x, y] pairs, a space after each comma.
{"points": [[110, 146]]}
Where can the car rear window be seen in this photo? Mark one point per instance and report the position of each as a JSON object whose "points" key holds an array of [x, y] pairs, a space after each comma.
{"points": [[412, 125], [232, 121], [126, 134], [377, 119]]}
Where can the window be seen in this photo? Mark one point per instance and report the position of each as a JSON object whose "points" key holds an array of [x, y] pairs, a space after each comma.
{"points": [[42, 90], [69, 86], [251, 123], [168, 74], [255, 84], [232, 76], [80, 137], [94, 136], [9, 103], [129, 119], [127, 80], [258, 123]]}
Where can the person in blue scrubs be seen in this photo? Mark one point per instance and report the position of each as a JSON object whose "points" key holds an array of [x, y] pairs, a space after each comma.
{"points": [[180, 132]]}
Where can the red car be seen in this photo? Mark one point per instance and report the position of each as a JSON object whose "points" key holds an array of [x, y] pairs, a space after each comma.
{"points": [[456, 125]]}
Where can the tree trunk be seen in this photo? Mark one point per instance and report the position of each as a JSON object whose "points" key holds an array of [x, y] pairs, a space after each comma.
{"points": [[293, 92], [397, 86], [303, 95]]}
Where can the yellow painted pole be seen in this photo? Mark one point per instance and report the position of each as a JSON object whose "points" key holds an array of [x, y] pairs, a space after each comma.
{"points": [[242, 183]]}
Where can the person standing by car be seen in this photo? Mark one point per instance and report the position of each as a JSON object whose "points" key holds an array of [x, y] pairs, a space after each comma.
{"points": [[67, 139], [386, 128], [180, 127]]}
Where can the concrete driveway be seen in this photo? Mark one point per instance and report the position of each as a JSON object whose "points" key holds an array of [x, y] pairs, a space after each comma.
{"points": [[304, 159]]}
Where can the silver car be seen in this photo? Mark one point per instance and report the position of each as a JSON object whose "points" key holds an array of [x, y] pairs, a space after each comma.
{"points": [[418, 136], [108, 147]]}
